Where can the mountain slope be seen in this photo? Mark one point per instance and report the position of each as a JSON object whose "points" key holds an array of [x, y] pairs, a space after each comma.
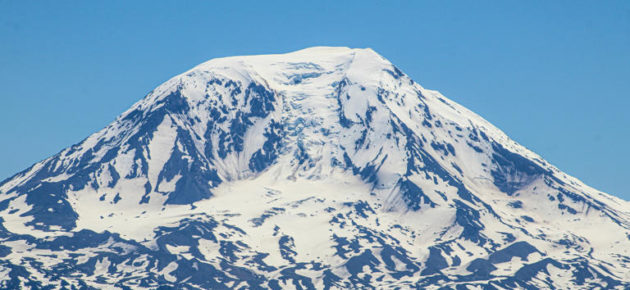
{"points": [[321, 168]]}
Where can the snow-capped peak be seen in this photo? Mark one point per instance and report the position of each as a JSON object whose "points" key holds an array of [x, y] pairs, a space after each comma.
{"points": [[355, 174]]}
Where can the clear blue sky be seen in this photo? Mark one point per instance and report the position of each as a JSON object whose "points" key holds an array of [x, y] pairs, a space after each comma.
{"points": [[554, 75]]}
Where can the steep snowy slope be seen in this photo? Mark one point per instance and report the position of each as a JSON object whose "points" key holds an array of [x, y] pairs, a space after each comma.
{"points": [[321, 168]]}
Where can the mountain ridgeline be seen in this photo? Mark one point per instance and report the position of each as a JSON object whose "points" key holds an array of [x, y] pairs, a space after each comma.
{"points": [[323, 168]]}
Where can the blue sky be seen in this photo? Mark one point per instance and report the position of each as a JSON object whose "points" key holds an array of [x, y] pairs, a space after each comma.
{"points": [[554, 75]]}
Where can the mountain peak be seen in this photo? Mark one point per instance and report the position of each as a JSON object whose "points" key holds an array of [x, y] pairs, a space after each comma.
{"points": [[278, 71], [316, 53], [327, 161]]}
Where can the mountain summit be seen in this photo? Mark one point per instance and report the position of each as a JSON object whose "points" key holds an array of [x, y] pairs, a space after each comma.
{"points": [[321, 168]]}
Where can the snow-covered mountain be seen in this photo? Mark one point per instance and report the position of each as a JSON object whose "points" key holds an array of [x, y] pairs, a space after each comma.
{"points": [[322, 168]]}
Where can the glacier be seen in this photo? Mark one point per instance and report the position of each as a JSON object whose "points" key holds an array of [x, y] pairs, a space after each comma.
{"points": [[323, 168]]}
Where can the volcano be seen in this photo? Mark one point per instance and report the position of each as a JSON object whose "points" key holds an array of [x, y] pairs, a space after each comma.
{"points": [[323, 168]]}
